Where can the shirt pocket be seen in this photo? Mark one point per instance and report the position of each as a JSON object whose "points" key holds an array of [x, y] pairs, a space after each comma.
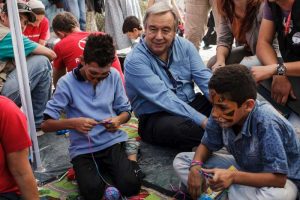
{"points": [[182, 70]]}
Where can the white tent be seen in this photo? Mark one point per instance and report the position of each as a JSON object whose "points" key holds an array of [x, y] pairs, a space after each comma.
{"points": [[22, 74]]}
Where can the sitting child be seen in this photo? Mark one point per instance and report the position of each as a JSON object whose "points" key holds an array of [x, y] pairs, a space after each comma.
{"points": [[263, 145], [95, 103], [38, 31], [133, 29]]}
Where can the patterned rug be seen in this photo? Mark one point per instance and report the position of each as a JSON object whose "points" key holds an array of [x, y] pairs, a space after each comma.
{"points": [[68, 190]]}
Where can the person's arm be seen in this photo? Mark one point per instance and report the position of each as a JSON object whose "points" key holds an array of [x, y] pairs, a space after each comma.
{"points": [[57, 74], [281, 86], [211, 141], [120, 105], [264, 49], [195, 182], [200, 73], [150, 3], [267, 71], [42, 42], [223, 178], [221, 56], [41, 50], [35, 48], [80, 124], [224, 43], [20, 168]]}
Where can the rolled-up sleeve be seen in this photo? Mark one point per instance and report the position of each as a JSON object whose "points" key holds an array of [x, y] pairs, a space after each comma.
{"points": [[212, 137], [201, 74], [225, 36], [59, 101]]}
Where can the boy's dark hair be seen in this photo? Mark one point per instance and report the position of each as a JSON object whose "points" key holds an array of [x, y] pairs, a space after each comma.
{"points": [[100, 49], [130, 23], [234, 82], [65, 22], [39, 11]]}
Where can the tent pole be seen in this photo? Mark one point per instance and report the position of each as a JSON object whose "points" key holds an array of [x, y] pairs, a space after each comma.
{"points": [[22, 75]]}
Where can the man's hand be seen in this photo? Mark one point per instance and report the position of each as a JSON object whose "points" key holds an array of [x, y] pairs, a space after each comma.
{"points": [[83, 124], [217, 65], [204, 123], [196, 183], [281, 89], [112, 124], [222, 178]]}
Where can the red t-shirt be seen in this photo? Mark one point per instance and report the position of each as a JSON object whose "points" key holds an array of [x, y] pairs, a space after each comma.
{"points": [[36, 33], [70, 49], [13, 137]]}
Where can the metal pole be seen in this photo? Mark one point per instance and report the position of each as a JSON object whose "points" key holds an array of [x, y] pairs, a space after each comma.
{"points": [[22, 75]]}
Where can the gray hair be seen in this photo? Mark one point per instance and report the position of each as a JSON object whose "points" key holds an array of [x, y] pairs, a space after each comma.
{"points": [[160, 8]]}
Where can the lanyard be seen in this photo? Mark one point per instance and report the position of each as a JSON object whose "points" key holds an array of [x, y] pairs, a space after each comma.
{"points": [[287, 24]]}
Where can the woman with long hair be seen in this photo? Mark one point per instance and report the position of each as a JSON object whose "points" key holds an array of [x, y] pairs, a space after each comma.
{"points": [[239, 20]]}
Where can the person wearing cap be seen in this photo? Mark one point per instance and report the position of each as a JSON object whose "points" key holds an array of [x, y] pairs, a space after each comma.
{"points": [[38, 31], [160, 73], [38, 65]]}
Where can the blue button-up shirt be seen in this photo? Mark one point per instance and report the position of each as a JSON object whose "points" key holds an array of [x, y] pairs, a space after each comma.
{"points": [[151, 89], [267, 142]]}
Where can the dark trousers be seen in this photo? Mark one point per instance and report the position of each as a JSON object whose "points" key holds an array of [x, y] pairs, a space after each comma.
{"points": [[10, 196], [175, 131], [113, 166]]}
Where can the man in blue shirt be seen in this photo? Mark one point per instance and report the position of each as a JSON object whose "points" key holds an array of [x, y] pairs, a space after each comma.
{"points": [[160, 74], [263, 145]]}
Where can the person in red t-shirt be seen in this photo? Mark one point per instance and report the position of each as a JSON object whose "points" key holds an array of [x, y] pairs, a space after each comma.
{"points": [[16, 177], [39, 30], [70, 49]]}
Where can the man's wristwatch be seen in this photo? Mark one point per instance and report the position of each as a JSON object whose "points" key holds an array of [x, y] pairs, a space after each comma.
{"points": [[281, 69]]}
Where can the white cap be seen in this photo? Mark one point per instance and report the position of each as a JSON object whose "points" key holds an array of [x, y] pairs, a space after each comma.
{"points": [[33, 4]]}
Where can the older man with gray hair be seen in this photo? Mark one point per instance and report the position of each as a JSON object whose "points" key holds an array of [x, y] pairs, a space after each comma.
{"points": [[160, 73]]}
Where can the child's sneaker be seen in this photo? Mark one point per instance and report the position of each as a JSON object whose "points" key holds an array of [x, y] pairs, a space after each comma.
{"points": [[39, 132]]}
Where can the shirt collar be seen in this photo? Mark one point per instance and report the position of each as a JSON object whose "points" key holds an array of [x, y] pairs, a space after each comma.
{"points": [[77, 74], [246, 129]]}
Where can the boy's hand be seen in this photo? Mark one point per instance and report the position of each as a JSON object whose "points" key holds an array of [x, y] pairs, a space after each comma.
{"points": [[83, 124], [222, 178], [196, 183], [111, 124]]}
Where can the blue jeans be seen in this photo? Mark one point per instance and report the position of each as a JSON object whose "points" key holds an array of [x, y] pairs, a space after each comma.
{"points": [[182, 163], [39, 73], [77, 8]]}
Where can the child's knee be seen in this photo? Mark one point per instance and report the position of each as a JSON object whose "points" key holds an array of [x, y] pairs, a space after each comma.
{"points": [[130, 183], [182, 161], [91, 190]]}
